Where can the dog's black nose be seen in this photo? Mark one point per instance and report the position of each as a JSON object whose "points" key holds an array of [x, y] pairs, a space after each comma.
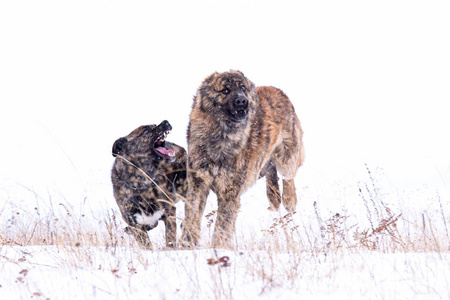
{"points": [[240, 102], [165, 124]]}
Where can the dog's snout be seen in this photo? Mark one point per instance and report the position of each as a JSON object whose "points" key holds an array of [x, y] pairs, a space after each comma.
{"points": [[240, 102], [165, 124]]}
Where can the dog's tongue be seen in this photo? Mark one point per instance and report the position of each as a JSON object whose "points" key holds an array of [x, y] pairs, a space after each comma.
{"points": [[165, 151]]}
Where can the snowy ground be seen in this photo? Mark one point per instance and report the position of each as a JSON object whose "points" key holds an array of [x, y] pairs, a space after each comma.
{"points": [[313, 254], [368, 79], [121, 273]]}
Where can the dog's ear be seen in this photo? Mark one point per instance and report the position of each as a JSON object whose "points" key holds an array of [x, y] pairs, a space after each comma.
{"points": [[238, 71], [206, 84], [118, 146], [204, 89], [250, 84]]}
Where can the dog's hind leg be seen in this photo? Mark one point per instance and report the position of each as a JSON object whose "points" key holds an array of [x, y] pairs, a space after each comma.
{"points": [[289, 198], [288, 157], [272, 187]]}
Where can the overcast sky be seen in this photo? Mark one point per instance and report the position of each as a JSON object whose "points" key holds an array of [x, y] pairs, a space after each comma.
{"points": [[370, 80]]}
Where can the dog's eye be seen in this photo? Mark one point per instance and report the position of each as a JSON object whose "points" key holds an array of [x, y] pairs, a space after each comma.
{"points": [[149, 128], [243, 88], [225, 91]]}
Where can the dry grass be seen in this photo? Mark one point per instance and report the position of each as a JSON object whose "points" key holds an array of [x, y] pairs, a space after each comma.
{"points": [[386, 229], [291, 252], [64, 228]]}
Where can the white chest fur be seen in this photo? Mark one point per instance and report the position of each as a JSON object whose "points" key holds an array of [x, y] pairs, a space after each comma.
{"points": [[151, 219]]}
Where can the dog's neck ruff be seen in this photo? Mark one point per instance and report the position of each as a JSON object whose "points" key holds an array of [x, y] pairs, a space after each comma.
{"points": [[226, 145], [232, 127]]}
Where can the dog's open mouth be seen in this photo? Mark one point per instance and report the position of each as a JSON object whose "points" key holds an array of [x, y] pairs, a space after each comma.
{"points": [[160, 148], [238, 114]]}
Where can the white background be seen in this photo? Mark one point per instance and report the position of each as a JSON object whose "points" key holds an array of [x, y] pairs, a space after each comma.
{"points": [[370, 81]]}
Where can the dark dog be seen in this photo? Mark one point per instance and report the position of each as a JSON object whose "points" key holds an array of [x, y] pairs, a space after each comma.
{"points": [[236, 133], [148, 177]]}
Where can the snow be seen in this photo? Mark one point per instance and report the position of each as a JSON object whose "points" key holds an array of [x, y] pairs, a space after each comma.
{"points": [[118, 273], [368, 79]]}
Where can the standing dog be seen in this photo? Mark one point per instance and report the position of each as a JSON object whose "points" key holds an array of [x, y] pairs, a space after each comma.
{"points": [[148, 177], [237, 132]]}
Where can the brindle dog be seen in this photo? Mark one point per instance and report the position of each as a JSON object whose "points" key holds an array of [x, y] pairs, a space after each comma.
{"points": [[236, 133], [148, 177]]}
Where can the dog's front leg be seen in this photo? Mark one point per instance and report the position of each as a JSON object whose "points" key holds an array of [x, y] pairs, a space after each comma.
{"points": [[195, 203], [228, 208], [170, 222]]}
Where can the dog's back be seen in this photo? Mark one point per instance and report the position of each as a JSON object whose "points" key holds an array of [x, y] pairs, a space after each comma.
{"points": [[288, 133]]}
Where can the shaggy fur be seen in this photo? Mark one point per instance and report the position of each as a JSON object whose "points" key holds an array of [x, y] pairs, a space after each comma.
{"points": [[237, 133], [148, 177]]}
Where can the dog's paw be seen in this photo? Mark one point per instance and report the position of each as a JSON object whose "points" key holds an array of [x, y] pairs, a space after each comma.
{"points": [[128, 230], [140, 236]]}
